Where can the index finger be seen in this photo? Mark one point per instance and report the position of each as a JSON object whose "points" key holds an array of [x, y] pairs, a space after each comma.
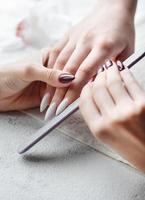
{"points": [[88, 108]]}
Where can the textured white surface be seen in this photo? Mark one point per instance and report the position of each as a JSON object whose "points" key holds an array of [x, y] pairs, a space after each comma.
{"points": [[59, 167]]}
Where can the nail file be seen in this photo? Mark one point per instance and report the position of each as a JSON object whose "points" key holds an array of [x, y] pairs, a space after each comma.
{"points": [[46, 129]]}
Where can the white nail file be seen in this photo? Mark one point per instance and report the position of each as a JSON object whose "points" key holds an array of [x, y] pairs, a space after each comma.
{"points": [[46, 129]]}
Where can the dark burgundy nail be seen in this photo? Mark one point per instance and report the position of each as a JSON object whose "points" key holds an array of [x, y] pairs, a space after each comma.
{"points": [[108, 64], [66, 78], [120, 65]]}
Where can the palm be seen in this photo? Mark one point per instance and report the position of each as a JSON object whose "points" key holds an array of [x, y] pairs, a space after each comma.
{"points": [[29, 97]]}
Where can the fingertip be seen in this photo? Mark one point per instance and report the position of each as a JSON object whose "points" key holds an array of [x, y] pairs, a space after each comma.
{"points": [[62, 106], [66, 78], [57, 78], [120, 65]]}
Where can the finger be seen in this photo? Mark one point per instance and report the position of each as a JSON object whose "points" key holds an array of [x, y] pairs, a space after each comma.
{"points": [[71, 67], [125, 54], [133, 87], [64, 56], [88, 108], [115, 85], [101, 95], [65, 80], [65, 96], [52, 77], [77, 57], [85, 71], [95, 58], [58, 95], [45, 56], [55, 51], [49, 91], [49, 63]]}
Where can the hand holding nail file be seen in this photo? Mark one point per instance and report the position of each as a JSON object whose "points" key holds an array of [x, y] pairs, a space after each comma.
{"points": [[46, 129]]}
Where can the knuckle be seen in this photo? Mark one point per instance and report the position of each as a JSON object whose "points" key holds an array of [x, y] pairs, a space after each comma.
{"points": [[55, 51], [131, 112], [72, 65], [117, 120], [86, 71], [71, 69], [50, 74], [103, 132], [101, 135], [61, 62], [113, 82], [98, 85], [96, 127], [87, 37], [106, 43], [28, 70], [124, 115]]}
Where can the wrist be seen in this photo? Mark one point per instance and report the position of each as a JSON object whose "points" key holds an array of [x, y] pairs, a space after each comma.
{"points": [[128, 6], [125, 8]]}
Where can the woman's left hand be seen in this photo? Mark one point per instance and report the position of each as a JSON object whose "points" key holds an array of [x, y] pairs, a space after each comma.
{"points": [[22, 84], [113, 106]]}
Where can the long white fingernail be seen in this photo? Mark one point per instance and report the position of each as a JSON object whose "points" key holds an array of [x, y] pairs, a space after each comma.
{"points": [[62, 106], [44, 102], [50, 113]]}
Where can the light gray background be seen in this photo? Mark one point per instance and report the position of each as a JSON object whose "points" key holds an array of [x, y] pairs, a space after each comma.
{"points": [[60, 168]]}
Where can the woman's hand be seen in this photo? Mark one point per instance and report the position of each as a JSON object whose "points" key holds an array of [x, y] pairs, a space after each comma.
{"points": [[113, 106], [107, 33], [22, 84]]}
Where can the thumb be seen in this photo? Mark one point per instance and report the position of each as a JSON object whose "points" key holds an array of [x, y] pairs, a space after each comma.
{"points": [[53, 77]]}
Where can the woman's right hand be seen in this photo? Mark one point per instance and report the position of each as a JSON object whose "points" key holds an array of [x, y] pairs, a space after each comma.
{"points": [[107, 33], [113, 106]]}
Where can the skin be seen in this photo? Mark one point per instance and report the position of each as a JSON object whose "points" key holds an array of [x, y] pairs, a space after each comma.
{"points": [[113, 106], [22, 84], [104, 34], [113, 101]]}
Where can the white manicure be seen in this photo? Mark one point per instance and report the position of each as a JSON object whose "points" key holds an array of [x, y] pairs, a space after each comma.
{"points": [[44, 102], [62, 106], [50, 113]]}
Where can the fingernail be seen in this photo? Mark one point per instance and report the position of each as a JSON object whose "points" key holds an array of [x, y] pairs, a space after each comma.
{"points": [[120, 65], [101, 69], [62, 106], [50, 113], [108, 64], [66, 78], [44, 102]]}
